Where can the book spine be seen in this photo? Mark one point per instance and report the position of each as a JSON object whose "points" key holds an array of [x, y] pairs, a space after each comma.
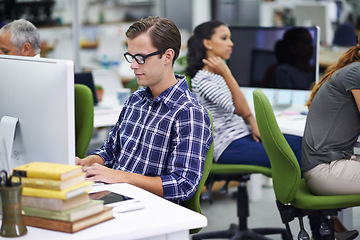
{"points": [[59, 194], [69, 227], [85, 210], [35, 174], [55, 204], [44, 193], [41, 183], [52, 184]]}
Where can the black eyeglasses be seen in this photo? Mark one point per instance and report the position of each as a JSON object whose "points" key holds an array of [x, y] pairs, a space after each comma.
{"points": [[139, 58]]}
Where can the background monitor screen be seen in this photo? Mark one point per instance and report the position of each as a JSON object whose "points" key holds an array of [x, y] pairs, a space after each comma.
{"points": [[86, 78], [253, 60], [40, 93]]}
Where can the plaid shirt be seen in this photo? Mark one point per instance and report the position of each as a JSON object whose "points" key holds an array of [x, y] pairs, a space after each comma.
{"points": [[167, 137]]}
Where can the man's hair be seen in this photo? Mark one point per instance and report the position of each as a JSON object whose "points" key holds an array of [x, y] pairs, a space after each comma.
{"points": [[162, 31], [23, 31]]}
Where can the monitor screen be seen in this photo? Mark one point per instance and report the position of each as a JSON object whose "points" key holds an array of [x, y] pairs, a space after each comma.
{"points": [[254, 63], [39, 93], [87, 79]]}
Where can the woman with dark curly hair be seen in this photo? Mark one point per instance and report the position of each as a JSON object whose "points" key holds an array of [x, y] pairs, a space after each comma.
{"points": [[213, 83]]}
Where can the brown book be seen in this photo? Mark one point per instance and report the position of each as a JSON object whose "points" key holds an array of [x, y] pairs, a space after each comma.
{"points": [[55, 204], [69, 227]]}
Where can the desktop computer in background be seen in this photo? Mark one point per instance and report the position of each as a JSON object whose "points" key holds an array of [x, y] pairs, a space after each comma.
{"points": [[253, 52], [253, 60], [37, 110]]}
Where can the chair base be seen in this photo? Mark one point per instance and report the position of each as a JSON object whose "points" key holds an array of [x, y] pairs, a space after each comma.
{"points": [[240, 230], [235, 233], [288, 213]]}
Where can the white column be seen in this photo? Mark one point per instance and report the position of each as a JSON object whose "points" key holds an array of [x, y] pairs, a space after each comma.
{"points": [[75, 35], [201, 12]]}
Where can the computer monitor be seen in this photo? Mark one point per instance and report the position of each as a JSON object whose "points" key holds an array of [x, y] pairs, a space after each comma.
{"points": [[37, 102], [253, 53]]}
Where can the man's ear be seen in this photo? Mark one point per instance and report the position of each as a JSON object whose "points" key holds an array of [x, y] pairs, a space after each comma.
{"points": [[27, 50], [169, 55]]}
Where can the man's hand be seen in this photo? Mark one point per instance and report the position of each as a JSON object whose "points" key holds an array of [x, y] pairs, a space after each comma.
{"points": [[89, 160], [97, 172]]}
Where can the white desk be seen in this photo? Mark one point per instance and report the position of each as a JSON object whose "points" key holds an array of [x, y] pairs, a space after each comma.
{"points": [[289, 119], [159, 220], [106, 117]]}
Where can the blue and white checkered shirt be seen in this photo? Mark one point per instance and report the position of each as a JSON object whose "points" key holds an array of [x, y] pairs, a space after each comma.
{"points": [[167, 137]]}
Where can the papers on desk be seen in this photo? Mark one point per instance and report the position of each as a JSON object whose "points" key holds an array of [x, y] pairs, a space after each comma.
{"points": [[291, 115], [280, 96]]}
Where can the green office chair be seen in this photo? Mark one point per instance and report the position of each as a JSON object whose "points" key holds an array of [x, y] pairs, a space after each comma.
{"points": [[84, 118], [194, 202], [240, 173], [293, 197]]}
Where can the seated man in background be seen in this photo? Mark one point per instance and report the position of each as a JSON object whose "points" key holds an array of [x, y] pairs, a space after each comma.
{"points": [[163, 133], [21, 38]]}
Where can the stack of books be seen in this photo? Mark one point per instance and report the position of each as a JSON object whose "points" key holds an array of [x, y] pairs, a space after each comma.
{"points": [[55, 196]]}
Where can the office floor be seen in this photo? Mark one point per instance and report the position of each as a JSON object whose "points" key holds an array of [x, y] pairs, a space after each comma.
{"points": [[263, 213]]}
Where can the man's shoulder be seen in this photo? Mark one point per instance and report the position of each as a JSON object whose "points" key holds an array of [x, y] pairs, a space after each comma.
{"points": [[188, 100], [189, 105]]}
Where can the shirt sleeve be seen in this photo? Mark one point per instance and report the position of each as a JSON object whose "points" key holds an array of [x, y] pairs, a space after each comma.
{"points": [[191, 141], [351, 80]]}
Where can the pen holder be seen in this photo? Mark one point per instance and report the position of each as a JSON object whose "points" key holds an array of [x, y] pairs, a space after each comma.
{"points": [[12, 219]]}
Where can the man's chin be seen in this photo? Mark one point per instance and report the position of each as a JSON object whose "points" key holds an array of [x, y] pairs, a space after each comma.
{"points": [[142, 82]]}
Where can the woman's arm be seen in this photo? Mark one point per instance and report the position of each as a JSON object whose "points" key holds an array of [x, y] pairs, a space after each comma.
{"points": [[218, 66], [356, 94]]}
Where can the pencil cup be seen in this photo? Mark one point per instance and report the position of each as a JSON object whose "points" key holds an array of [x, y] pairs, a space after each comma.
{"points": [[12, 220]]}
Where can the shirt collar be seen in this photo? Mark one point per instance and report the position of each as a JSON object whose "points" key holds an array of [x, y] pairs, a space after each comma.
{"points": [[170, 95]]}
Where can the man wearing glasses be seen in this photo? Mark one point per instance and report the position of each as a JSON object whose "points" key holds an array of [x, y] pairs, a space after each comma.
{"points": [[163, 133]]}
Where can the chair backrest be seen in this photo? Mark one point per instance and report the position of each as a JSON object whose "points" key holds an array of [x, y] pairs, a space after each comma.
{"points": [[188, 79], [286, 173], [345, 35], [194, 202], [84, 118]]}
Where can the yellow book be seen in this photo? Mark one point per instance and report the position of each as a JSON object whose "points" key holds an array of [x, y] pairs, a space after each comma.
{"points": [[51, 183], [59, 194], [47, 170]]}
